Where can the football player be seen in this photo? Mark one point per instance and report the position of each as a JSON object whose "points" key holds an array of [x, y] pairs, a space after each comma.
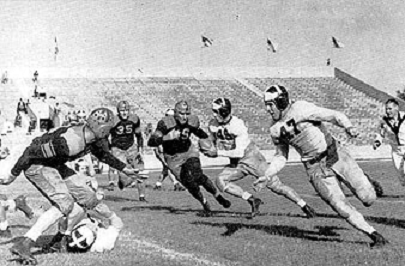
{"points": [[230, 136], [43, 164], [165, 171], [300, 124], [124, 147], [84, 189], [392, 128], [180, 154]]}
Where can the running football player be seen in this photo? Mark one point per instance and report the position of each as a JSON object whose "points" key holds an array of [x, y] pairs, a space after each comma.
{"points": [[301, 125], [230, 136], [180, 154]]}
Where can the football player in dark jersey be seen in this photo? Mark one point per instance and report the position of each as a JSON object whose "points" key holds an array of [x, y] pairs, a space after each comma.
{"points": [[124, 147], [44, 165], [181, 156]]}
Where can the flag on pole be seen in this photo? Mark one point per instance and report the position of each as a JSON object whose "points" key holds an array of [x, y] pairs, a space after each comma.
{"points": [[271, 46], [336, 43], [207, 42]]}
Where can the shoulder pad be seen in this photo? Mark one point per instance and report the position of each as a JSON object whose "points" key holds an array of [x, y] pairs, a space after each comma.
{"points": [[134, 118], [169, 121], [193, 121]]}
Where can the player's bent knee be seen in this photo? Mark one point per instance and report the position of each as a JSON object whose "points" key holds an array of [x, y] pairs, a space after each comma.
{"points": [[367, 197], [275, 185], [64, 203]]}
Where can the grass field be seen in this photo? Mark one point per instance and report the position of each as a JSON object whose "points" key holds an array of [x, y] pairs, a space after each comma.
{"points": [[168, 230]]}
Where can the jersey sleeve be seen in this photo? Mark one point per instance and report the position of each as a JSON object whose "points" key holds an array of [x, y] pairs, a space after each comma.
{"points": [[315, 113]]}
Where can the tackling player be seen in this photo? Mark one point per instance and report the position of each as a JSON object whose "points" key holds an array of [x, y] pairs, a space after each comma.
{"points": [[181, 156], [392, 128], [301, 125], [43, 164], [230, 136], [123, 146]]}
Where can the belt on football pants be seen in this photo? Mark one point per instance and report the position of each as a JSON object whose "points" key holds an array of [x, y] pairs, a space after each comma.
{"points": [[318, 157]]}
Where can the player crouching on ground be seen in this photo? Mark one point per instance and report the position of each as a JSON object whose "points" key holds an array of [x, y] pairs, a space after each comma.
{"points": [[90, 233], [181, 156], [301, 125], [44, 165], [231, 139]]}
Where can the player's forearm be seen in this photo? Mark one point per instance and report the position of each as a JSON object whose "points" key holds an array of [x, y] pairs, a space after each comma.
{"points": [[200, 133], [111, 160]]}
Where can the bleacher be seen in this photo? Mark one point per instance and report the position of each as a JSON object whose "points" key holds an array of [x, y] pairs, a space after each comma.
{"points": [[150, 98]]}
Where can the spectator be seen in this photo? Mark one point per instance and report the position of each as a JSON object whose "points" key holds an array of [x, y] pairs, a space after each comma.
{"points": [[21, 107], [4, 78]]}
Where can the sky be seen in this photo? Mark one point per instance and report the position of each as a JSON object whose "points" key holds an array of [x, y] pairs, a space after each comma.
{"points": [[143, 35]]}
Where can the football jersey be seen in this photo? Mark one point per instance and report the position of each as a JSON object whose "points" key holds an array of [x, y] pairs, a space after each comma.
{"points": [[122, 134], [176, 137], [63, 145], [230, 136], [302, 127], [394, 132]]}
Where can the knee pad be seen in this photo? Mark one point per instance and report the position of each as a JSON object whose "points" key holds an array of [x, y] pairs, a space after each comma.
{"points": [[275, 185], [367, 196], [222, 183]]}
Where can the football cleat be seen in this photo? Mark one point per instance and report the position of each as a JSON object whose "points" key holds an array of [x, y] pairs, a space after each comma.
{"points": [[223, 201], [6, 233], [142, 199], [309, 211], [21, 204], [22, 249], [159, 188], [255, 204], [378, 240]]}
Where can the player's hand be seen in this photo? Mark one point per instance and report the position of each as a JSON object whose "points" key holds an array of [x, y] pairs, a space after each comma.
{"points": [[352, 132], [260, 183], [376, 144], [211, 153]]}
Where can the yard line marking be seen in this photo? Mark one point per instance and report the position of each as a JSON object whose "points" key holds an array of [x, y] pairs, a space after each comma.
{"points": [[151, 248]]}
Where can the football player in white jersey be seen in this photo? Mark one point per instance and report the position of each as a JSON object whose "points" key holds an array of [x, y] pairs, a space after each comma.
{"points": [[230, 137], [392, 128], [300, 124]]}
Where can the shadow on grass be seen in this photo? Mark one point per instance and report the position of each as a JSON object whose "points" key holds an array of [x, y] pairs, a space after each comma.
{"points": [[118, 198], [322, 233]]}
